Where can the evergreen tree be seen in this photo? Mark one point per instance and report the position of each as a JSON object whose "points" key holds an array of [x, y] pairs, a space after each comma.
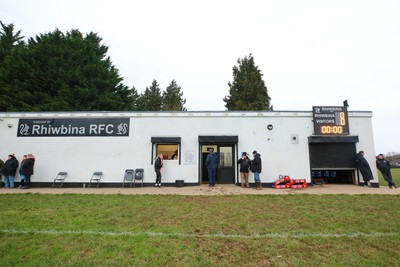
{"points": [[248, 90], [151, 99], [12, 50], [135, 97], [172, 97], [8, 39], [63, 72]]}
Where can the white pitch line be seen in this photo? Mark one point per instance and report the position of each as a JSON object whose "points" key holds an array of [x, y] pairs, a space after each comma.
{"points": [[217, 235]]}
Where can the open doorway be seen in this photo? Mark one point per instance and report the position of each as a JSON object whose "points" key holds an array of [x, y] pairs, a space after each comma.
{"points": [[205, 150], [226, 163], [225, 146], [333, 176], [332, 160]]}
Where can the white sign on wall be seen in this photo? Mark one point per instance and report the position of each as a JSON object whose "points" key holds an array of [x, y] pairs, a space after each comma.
{"points": [[189, 157]]}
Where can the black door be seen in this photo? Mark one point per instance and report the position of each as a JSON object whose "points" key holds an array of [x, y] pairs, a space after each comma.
{"points": [[226, 163], [226, 170]]}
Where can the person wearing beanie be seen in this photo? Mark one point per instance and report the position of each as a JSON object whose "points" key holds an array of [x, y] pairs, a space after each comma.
{"points": [[244, 163], [384, 167], [256, 166], [9, 169]]}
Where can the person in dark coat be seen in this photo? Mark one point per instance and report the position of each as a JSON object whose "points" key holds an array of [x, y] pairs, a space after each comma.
{"points": [[9, 169], [384, 167], [364, 168], [21, 175], [1, 166], [175, 155], [26, 170], [256, 166], [1, 169], [244, 163], [211, 163], [158, 164]]}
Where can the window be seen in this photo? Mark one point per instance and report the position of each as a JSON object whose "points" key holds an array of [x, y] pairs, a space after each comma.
{"points": [[170, 147], [169, 151]]}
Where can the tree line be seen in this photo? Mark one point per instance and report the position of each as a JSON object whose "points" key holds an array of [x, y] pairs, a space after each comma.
{"points": [[393, 158], [71, 71]]}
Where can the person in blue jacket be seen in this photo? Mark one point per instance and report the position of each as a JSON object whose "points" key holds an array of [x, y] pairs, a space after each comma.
{"points": [[211, 163]]}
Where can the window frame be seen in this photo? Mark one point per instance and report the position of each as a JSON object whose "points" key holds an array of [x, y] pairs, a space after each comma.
{"points": [[155, 141]]}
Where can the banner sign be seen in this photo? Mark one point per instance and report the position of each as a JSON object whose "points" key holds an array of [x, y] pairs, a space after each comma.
{"points": [[73, 127]]}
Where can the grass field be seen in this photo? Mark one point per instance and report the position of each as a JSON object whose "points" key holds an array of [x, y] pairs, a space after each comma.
{"points": [[124, 230]]}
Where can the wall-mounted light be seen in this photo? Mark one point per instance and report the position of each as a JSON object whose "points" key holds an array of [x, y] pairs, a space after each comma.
{"points": [[270, 127], [9, 125]]}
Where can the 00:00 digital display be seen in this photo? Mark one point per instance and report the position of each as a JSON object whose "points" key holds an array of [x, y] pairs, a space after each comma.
{"points": [[332, 129]]}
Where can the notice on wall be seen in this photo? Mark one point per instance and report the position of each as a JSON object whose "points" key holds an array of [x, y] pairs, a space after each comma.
{"points": [[73, 127], [189, 157]]}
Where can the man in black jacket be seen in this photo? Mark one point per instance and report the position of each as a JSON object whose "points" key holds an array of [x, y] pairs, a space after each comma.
{"points": [[384, 167], [27, 170], [244, 163], [256, 166], [9, 169]]}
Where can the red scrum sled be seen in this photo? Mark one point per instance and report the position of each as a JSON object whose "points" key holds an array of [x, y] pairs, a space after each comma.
{"points": [[285, 181]]}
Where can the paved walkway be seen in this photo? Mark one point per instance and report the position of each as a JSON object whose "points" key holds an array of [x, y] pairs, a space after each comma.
{"points": [[205, 190]]}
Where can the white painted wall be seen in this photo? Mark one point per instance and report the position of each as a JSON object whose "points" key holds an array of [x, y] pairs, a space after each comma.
{"points": [[81, 156]]}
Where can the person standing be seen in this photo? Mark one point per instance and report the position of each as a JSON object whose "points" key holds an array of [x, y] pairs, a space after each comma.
{"points": [[211, 163], [9, 170], [1, 170], [26, 170], [175, 155], [364, 168], [384, 167], [244, 163], [256, 166], [158, 164], [21, 175]]}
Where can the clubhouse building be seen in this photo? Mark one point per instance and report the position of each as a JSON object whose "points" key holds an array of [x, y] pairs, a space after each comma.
{"points": [[317, 145]]}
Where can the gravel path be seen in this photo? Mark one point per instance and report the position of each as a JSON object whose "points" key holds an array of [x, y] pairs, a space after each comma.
{"points": [[205, 190]]}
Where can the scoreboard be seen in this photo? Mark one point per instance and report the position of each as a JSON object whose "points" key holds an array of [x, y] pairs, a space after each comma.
{"points": [[330, 120]]}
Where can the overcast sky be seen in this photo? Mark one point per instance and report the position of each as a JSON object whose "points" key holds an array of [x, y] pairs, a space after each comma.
{"points": [[311, 52]]}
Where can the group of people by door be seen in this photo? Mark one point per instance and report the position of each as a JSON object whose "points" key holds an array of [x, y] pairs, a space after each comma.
{"points": [[9, 168], [245, 163], [254, 165]]}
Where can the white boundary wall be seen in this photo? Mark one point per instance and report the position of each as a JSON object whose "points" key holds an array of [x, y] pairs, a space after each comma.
{"points": [[81, 156]]}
